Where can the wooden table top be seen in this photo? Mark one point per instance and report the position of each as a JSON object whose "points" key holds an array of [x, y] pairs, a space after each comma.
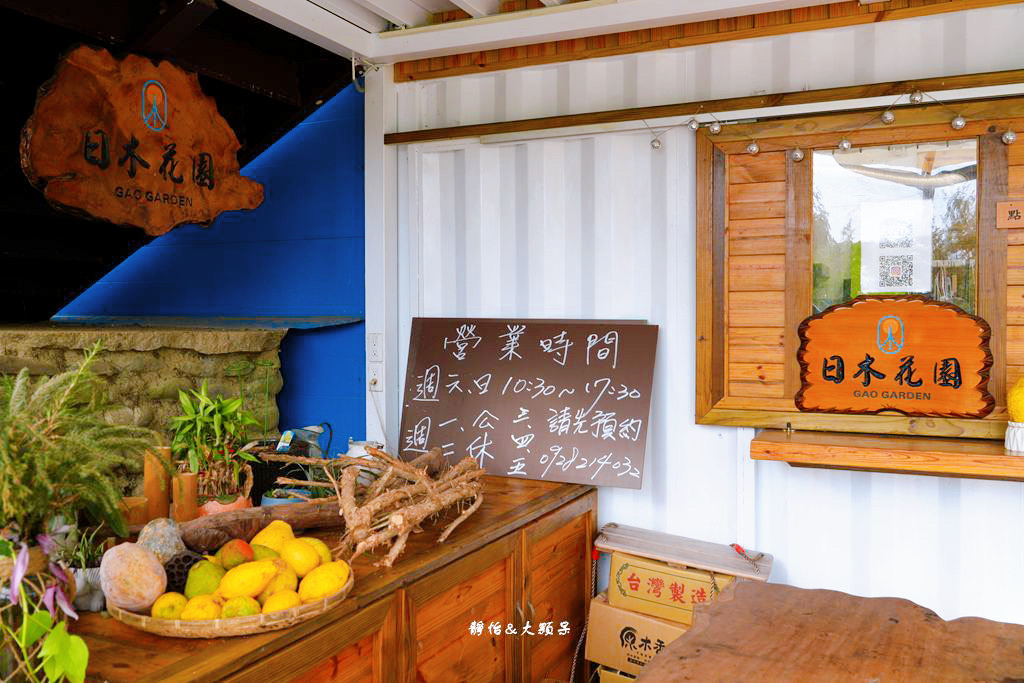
{"points": [[122, 653], [771, 632]]}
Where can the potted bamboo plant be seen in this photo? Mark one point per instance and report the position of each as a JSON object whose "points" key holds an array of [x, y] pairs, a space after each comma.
{"points": [[207, 440], [58, 463]]}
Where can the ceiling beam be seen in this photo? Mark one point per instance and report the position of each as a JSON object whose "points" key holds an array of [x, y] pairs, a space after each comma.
{"points": [[354, 13], [398, 12], [176, 23], [310, 22], [478, 8], [87, 17], [570, 20], [243, 65], [495, 31], [177, 34]]}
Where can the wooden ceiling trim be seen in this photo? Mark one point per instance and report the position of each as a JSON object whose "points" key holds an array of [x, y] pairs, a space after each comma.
{"points": [[815, 18], [768, 127]]}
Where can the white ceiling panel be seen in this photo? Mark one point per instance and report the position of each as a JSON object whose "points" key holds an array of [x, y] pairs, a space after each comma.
{"points": [[488, 29], [355, 13], [479, 8], [399, 12]]}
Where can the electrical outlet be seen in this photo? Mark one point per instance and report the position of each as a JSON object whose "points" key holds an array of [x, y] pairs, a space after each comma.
{"points": [[375, 347], [375, 376]]}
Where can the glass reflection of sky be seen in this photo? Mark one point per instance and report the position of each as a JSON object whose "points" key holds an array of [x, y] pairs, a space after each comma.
{"points": [[842, 191]]}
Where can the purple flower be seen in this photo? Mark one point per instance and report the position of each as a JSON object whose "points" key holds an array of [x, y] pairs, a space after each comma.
{"points": [[65, 604], [48, 597], [47, 543], [58, 573], [18, 573], [53, 591]]}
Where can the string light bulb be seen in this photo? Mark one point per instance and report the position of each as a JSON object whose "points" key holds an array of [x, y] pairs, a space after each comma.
{"points": [[958, 122], [797, 154], [888, 117], [754, 148], [655, 143], [693, 124], [715, 128], [916, 97], [1009, 137], [845, 145]]}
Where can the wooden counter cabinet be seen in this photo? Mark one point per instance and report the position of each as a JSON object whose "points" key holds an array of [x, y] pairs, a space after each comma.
{"points": [[523, 557]]}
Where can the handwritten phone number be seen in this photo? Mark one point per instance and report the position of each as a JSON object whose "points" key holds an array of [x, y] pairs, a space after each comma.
{"points": [[556, 457]]}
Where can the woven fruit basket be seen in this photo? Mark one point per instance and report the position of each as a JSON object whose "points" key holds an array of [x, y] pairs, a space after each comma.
{"points": [[235, 626]]}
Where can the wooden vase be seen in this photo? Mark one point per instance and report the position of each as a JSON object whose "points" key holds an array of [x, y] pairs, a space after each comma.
{"points": [[156, 482], [134, 510], [185, 504]]}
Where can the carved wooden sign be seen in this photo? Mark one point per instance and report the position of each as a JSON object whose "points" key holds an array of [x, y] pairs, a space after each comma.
{"points": [[1010, 215], [908, 354], [134, 143]]}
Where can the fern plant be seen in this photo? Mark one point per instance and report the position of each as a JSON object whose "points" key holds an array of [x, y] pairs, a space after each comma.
{"points": [[57, 453]]}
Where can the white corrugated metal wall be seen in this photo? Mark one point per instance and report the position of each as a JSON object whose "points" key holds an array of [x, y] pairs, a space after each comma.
{"points": [[601, 225]]}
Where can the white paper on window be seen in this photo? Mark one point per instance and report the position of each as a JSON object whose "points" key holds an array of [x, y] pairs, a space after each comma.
{"points": [[896, 246]]}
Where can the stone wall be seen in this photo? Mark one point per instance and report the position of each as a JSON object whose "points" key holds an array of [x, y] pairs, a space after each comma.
{"points": [[145, 366]]}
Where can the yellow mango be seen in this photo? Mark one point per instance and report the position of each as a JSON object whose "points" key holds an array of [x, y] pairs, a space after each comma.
{"points": [[322, 582], [168, 606], [247, 579], [274, 535], [281, 601], [300, 556], [284, 580], [321, 548], [201, 608]]}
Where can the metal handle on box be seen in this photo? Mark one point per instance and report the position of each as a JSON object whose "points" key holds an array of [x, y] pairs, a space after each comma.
{"points": [[529, 606], [519, 613]]}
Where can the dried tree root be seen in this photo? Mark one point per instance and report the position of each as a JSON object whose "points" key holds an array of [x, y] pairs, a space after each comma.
{"points": [[384, 512], [461, 518]]}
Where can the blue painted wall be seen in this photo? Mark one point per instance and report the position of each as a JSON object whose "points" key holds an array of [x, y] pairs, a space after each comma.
{"points": [[299, 255]]}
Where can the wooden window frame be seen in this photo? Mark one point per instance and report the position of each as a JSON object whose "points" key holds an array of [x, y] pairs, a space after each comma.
{"points": [[997, 179]]}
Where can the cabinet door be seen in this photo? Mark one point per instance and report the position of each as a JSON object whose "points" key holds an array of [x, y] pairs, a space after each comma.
{"points": [[353, 649], [556, 580], [477, 589]]}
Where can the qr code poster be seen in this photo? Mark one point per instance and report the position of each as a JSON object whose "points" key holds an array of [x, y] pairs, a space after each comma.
{"points": [[896, 246]]}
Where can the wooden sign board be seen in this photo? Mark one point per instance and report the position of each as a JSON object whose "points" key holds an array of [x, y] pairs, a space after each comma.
{"points": [[538, 399], [134, 143], [908, 354], [1010, 214]]}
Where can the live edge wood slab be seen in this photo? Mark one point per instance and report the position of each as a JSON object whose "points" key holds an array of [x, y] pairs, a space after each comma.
{"points": [[121, 653], [771, 632]]}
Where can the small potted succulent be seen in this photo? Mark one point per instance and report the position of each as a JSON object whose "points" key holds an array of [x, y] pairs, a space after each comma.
{"points": [[82, 552], [207, 440], [283, 496]]}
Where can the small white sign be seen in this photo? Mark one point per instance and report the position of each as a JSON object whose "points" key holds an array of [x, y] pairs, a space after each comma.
{"points": [[896, 246]]}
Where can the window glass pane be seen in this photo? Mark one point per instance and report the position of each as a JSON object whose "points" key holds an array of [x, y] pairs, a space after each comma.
{"points": [[901, 218]]}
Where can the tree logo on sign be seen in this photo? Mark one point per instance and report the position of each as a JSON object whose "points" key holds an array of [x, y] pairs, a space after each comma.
{"points": [[890, 334], [154, 106]]}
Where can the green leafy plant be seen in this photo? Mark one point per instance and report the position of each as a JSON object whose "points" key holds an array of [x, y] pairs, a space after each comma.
{"points": [[36, 642], [208, 436], [83, 550], [58, 455]]}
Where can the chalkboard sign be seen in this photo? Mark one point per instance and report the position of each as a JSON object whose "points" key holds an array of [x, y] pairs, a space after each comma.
{"points": [[538, 399]]}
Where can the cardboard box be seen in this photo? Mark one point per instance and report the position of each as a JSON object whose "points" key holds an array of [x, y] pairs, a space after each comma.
{"points": [[661, 589], [624, 640], [606, 675]]}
